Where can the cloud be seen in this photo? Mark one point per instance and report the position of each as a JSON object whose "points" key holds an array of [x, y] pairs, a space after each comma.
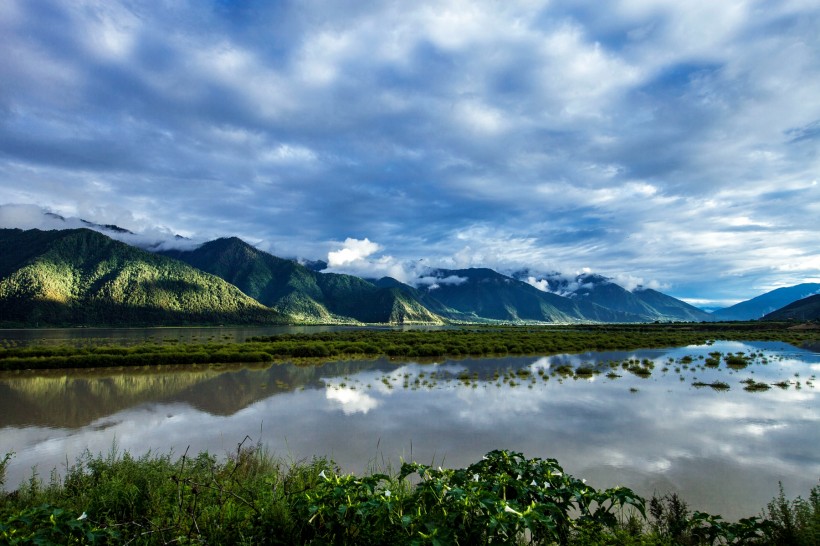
{"points": [[354, 250], [352, 401], [432, 282], [356, 257], [33, 217], [152, 238], [633, 283]]}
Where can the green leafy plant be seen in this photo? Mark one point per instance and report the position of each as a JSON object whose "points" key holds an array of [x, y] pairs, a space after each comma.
{"points": [[48, 525], [500, 500]]}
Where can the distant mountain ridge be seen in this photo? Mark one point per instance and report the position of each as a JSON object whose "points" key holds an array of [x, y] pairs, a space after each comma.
{"points": [[487, 294], [646, 304]]}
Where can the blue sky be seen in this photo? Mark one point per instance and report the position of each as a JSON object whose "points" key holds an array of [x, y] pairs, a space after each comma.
{"points": [[670, 144]]}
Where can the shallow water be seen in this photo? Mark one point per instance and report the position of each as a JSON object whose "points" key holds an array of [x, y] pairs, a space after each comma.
{"points": [[723, 451]]}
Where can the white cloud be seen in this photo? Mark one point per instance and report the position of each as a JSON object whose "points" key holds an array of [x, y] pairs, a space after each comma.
{"points": [[351, 400], [285, 153], [354, 250], [433, 282], [540, 284], [632, 282]]}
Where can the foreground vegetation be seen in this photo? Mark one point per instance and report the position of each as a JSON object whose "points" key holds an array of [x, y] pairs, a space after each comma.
{"points": [[252, 498], [452, 342]]}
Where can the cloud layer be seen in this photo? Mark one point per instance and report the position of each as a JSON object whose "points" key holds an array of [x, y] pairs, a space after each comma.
{"points": [[673, 142]]}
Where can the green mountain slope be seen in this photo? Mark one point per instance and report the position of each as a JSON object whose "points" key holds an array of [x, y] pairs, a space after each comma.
{"points": [[665, 307], [79, 276], [755, 308], [302, 294], [805, 309]]}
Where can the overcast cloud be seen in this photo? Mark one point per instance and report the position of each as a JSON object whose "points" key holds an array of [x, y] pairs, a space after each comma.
{"points": [[671, 144]]}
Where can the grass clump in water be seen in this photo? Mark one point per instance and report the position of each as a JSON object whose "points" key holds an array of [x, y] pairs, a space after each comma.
{"points": [[715, 385], [754, 386]]}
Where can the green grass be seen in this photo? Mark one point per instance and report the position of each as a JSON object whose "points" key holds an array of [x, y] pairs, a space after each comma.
{"points": [[253, 498]]}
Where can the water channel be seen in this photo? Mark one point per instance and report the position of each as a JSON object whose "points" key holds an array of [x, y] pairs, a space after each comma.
{"points": [[723, 450]]}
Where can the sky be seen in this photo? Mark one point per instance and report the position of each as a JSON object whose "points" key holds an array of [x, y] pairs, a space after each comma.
{"points": [[668, 144]]}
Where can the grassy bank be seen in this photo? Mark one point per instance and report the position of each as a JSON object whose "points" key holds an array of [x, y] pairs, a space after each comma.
{"points": [[252, 498], [486, 341]]}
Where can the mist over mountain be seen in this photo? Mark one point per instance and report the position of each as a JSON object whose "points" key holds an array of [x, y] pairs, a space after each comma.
{"points": [[25, 216]]}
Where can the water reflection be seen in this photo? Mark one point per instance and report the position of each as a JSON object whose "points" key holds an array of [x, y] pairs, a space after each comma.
{"points": [[723, 451]]}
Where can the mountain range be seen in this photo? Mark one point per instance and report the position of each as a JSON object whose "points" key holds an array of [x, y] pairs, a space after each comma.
{"points": [[83, 277]]}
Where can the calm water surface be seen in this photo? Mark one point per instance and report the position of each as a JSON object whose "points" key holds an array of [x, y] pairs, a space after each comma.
{"points": [[724, 451]]}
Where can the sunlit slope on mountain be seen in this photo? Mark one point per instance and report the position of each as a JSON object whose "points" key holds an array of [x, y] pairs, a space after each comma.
{"points": [[302, 294], [766, 303], [805, 309], [74, 277]]}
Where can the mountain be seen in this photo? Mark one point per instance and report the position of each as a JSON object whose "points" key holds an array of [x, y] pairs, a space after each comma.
{"points": [[666, 307], [805, 309], [92, 225], [300, 293], [80, 276], [756, 308], [645, 303], [480, 294]]}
